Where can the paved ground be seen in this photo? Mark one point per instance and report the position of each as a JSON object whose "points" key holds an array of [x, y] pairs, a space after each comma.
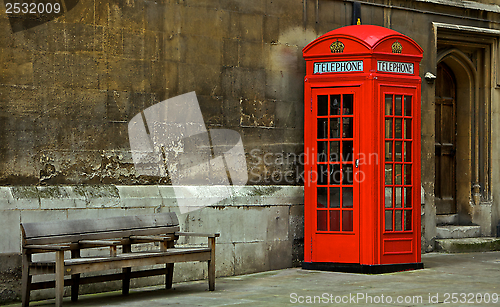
{"points": [[474, 278]]}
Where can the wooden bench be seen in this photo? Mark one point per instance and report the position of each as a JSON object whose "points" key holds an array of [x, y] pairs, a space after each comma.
{"points": [[74, 236]]}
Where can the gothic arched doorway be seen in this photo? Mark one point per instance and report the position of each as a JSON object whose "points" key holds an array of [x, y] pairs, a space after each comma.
{"points": [[445, 189]]}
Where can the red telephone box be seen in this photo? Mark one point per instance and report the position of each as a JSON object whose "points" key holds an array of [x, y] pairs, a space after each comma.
{"points": [[362, 147]]}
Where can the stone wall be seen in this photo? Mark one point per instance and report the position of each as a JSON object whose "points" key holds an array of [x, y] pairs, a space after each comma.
{"points": [[69, 87]]}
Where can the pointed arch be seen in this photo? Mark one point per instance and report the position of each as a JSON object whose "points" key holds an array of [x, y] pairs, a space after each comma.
{"points": [[465, 75], [457, 56]]}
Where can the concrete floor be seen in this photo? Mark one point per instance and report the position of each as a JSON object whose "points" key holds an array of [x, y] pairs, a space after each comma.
{"points": [[472, 277]]}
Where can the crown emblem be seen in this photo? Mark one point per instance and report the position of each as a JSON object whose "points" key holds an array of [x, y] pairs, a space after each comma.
{"points": [[337, 47], [397, 47]]}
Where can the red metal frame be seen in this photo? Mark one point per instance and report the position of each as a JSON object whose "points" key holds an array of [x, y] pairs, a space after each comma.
{"points": [[369, 243], [338, 177]]}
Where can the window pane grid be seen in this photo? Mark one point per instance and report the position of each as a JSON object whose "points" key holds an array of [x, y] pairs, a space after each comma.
{"points": [[398, 163], [335, 166]]}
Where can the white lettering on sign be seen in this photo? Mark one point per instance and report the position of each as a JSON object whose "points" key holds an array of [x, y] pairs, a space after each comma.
{"points": [[403, 68], [346, 66]]}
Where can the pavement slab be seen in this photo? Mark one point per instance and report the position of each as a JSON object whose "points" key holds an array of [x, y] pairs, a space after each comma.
{"points": [[470, 279]]}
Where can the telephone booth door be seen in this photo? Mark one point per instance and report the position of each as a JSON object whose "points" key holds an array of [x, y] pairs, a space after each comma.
{"points": [[398, 210], [333, 173]]}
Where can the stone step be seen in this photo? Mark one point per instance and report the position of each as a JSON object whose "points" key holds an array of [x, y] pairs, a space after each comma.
{"points": [[467, 245], [457, 232], [447, 219]]}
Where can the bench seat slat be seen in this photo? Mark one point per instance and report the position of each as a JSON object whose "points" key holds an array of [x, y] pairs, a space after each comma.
{"points": [[133, 255], [132, 261], [89, 264], [136, 255]]}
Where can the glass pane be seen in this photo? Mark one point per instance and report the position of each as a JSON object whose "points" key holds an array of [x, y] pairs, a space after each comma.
{"points": [[322, 105], [334, 128], [334, 220], [322, 174], [347, 219], [408, 197], [398, 99], [347, 132], [388, 128], [335, 174], [408, 129], [347, 174], [322, 128], [407, 219], [335, 151], [347, 198], [408, 174], [398, 176], [334, 104], [407, 151], [398, 151], [388, 197], [322, 220], [407, 105], [398, 128], [398, 220], [322, 197], [388, 220], [348, 106], [388, 104], [388, 174], [347, 154], [398, 200], [322, 151], [388, 150], [335, 197]]}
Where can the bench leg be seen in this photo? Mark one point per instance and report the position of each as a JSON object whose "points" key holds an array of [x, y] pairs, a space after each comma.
{"points": [[26, 279], [126, 280], [75, 286], [59, 278], [127, 248], [169, 276], [75, 278], [211, 265]]}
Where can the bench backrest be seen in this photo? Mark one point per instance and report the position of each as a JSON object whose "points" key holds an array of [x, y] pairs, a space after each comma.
{"points": [[98, 229]]}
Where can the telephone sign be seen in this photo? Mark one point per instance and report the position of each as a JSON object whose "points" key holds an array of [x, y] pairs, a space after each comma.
{"points": [[397, 67], [344, 66]]}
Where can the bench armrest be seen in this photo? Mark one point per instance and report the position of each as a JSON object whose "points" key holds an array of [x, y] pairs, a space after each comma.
{"points": [[196, 234], [47, 248], [148, 239], [98, 243]]}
